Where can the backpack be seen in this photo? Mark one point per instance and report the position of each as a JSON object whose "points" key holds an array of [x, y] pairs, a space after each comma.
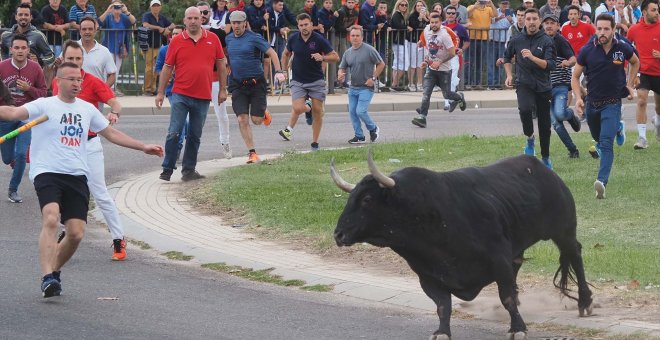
{"points": [[143, 38]]}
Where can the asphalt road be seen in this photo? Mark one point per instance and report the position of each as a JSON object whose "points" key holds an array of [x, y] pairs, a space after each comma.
{"points": [[160, 299]]}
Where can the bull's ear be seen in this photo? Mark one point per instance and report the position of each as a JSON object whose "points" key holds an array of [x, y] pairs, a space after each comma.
{"points": [[340, 182], [383, 180]]}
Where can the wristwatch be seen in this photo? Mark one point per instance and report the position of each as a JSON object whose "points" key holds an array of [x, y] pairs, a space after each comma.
{"points": [[117, 113], [374, 78]]}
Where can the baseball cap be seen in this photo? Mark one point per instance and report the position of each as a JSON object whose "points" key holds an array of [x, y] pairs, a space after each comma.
{"points": [[154, 2], [551, 17], [532, 1], [237, 16]]}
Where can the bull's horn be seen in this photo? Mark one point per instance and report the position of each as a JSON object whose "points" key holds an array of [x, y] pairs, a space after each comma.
{"points": [[382, 179], [343, 185]]}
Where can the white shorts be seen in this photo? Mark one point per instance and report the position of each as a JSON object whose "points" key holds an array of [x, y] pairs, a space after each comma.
{"points": [[416, 55], [401, 60]]}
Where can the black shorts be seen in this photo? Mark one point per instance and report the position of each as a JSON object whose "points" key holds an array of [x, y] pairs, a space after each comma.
{"points": [[69, 192], [249, 98], [651, 83]]}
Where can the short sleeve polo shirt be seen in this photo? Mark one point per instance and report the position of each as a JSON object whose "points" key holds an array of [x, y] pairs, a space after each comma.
{"points": [[193, 62], [244, 54], [606, 78], [305, 69]]}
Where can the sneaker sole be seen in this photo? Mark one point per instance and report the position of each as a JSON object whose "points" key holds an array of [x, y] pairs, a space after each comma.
{"points": [[358, 142], [419, 124], [118, 259], [15, 201], [600, 190], [639, 147]]}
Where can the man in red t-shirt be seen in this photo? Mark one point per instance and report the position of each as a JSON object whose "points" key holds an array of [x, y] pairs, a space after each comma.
{"points": [[95, 91], [575, 31], [193, 54], [645, 37]]}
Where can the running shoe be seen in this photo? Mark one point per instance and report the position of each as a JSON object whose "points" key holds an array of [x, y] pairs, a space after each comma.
{"points": [[574, 154], [463, 104], [315, 147], [308, 114], [641, 143], [50, 286], [286, 134], [357, 140], [621, 133], [656, 122], [252, 157], [166, 175], [600, 189], [547, 162], [191, 175], [118, 250], [529, 147], [419, 121], [268, 118], [14, 198], [594, 151], [226, 150], [374, 134]]}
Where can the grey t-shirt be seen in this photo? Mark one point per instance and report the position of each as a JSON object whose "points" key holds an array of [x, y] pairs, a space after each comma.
{"points": [[360, 64]]}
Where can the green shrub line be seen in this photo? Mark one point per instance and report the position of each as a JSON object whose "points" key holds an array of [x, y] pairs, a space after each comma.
{"points": [[295, 196]]}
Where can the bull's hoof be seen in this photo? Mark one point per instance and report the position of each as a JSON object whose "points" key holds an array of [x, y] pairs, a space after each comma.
{"points": [[586, 311], [516, 336], [439, 337]]}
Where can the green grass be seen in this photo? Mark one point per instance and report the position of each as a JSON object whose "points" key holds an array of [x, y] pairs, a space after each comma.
{"points": [[263, 275], [177, 255], [295, 196], [318, 288], [143, 245]]}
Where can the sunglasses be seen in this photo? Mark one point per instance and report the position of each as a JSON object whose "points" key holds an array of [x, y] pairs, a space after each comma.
{"points": [[450, 13], [403, 5], [205, 12]]}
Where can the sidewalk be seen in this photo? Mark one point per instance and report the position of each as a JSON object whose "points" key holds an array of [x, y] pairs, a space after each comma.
{"points": [[153, 211], [382, 101]]}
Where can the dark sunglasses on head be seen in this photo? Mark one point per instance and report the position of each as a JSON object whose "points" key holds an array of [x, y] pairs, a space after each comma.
{"points": [[117, 6], [205, 12]]}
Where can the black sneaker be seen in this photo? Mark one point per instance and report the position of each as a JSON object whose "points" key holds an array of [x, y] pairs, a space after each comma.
{"points": [[61, 235], [462, 105], [574, 154], [419, 121], [373, 134], [575, 122], [357, 140], [166, 174], [50, 286], [453, 105], [191, 175]]}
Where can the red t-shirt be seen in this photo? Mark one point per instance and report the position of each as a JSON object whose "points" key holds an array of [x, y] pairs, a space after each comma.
{"points": [[193, 63], [94, 91], [646, 39], [579, 35]]}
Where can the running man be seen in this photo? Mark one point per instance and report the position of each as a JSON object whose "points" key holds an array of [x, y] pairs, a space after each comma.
{"points": [[603, 63], [645, 37], [310, 49], [247, 83], [59, 167]]}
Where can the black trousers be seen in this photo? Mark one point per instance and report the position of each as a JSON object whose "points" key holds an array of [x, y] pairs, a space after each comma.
{"points": [[528, 101]]}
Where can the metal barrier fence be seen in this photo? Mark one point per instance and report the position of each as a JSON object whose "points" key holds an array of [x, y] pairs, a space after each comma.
{"points": [[136, 50]]}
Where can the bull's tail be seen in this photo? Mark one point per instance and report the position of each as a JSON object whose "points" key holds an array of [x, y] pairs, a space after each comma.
{"points": [[567, 273]]}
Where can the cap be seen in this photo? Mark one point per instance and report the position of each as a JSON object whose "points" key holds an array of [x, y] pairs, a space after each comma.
{"points": [[532, 1], [237, 16], [551, 17], [154, 2]]}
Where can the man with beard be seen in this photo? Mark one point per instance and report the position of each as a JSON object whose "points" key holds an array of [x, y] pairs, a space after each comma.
{"points": [[645, 37], [247, 83], [576, 31], [38, 44], [603, 63], [535, 58], [561, 83], [311, 50], [193, 55], [439, 51]]}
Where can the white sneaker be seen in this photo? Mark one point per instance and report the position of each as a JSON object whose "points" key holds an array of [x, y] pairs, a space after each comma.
{"points": [[600, 189], [226, 150], [412, 88], [641, 143], [656, 122], [380, 84]]}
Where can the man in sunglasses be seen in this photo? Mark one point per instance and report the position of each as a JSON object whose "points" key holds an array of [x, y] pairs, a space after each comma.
{"points": [[451, 15]]}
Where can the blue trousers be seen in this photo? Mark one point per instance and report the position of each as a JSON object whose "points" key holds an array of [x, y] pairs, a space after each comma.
{"points": [[196, 110], [358, 106], [561, 113], [604, 123], [15, 149]]}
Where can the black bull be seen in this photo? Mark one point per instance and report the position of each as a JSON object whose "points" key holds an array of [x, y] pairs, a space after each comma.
{"points": [[462, 230]]}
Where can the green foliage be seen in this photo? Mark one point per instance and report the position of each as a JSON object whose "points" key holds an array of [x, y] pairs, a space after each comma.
{"points": [[294, 196], [177, 255], [263, 275]]}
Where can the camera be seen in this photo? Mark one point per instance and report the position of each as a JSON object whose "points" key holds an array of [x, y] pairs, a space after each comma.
{"points": [[117, 6]]}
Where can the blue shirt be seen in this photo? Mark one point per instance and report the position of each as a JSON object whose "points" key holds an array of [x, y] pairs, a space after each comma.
{"points": [[116, 35], [160, 62], [304, 68], [244, 54], [606, 78], [156, 40]]}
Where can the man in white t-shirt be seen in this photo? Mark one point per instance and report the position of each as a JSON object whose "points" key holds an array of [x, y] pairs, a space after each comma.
{"points": [[98, 59], [59, 166]]}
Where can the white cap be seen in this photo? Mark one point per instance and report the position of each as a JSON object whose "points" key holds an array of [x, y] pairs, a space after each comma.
{"points": [[154, 2]]}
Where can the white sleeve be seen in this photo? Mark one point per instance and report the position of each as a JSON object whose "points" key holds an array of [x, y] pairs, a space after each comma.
{"points": [[97, 122], [34, 109]]}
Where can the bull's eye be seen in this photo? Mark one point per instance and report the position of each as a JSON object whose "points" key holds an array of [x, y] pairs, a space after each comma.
{"points": [[366, 200]]}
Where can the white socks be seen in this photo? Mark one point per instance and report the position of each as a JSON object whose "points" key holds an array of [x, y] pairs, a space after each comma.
{"points": [[641, 129]]}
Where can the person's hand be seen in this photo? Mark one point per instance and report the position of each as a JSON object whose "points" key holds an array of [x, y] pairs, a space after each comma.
{"points": [[153, 149], [369, 82], [508, 82], [280, 77], [499, 62], [459, 51], [380, 26], [113, 118], [317, 56], [526, 53], [636, 83], [109, 10], [341, 76], [58, 62], [321, 28], [435, 65], [410, 29], [284, 30], [222, 95], [266, 16], [579, 107], [159, 100], [336, 14], [656, 54], [22, 84], [631, 92]]}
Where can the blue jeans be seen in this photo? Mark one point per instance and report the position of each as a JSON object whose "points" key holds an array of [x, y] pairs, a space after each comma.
{"points": [[604, 122], [561, 113], [15, 149], [358, 105], [494, 73], [184, 132], [196, 110]]}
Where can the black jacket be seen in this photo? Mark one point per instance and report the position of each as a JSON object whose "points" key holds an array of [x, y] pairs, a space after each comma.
{"points": [[527, 72]]}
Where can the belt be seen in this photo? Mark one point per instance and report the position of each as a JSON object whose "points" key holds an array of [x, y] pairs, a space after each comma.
{"points": [[603, 102], [90, 137]]}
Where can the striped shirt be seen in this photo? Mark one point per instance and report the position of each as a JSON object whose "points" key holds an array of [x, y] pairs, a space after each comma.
{"points": [[76, 13], [564, 51]]}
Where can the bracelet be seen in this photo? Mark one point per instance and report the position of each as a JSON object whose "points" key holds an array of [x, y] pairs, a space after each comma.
{"points": [[117, 113], [280, 71]]}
